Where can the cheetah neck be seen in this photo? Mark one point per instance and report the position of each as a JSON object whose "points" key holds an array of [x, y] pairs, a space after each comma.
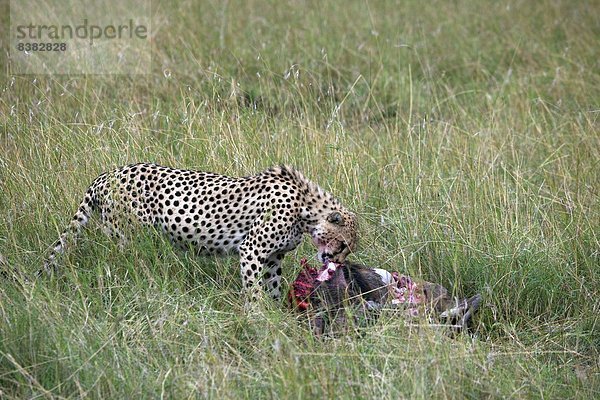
{"points": [[318, 202]]}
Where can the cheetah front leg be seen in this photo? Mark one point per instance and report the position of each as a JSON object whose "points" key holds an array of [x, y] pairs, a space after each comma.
{"points": [[261, 272], [260, 257], [252, 268], [272, 276]]}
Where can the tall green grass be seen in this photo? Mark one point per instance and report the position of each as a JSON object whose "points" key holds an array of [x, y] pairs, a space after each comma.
{"points": [[464, 134]]}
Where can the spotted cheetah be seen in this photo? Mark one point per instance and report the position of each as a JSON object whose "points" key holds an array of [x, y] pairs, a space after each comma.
{"points": [[260, 217]]}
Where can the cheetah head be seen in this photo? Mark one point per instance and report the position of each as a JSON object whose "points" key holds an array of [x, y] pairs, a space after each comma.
{"points": [[335, 235]]}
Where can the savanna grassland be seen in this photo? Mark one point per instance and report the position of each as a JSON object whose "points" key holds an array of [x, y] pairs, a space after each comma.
{"points": [[465, 134]]}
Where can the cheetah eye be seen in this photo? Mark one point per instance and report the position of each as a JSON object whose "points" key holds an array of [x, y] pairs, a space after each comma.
{"points": [[335, 218]]}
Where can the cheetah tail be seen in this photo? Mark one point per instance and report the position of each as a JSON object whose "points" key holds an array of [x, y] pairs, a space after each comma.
{"points": [[69, 236]]}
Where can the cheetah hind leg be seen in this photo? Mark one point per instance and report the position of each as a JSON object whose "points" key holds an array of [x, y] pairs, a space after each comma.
{"points": [[70, 236]]}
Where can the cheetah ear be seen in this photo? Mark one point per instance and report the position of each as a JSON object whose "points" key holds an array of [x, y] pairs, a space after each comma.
{"points": [[335, 218]]}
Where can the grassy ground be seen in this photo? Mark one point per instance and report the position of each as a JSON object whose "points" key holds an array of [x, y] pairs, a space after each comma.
{"points": [[465, 135]]}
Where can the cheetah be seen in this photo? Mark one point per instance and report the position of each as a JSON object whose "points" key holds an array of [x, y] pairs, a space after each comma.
{"points": [[259, 217]]}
